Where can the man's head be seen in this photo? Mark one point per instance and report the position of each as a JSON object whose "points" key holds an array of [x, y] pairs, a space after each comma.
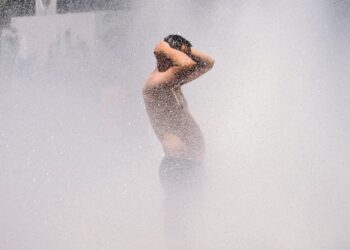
{"points": [[180, 43], [176, 42]]}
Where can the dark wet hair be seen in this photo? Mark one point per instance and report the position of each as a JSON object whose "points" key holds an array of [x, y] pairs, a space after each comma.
{"points": [[176, 41]]}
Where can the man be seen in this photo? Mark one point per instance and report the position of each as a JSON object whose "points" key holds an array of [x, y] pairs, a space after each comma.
{"points": [[182, 140]]}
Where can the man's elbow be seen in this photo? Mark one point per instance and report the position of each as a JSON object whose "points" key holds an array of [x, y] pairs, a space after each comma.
{"points": [[210, 64]]}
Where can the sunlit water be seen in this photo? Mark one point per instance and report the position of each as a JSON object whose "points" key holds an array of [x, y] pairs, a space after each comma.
{"points": [[79, 160]]}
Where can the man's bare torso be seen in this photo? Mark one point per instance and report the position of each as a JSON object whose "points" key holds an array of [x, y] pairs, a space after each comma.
{"points": [[174, 126]]}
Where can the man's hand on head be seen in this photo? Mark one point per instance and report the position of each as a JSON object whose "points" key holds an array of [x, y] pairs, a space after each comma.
{"points": [[161, 47]]}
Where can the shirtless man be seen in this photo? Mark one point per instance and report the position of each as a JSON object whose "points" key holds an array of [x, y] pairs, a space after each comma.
{"points": [[182, 140]]}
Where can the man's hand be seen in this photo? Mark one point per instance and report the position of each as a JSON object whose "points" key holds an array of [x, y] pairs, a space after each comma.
{"points": [[161, 47], [178, 57]]}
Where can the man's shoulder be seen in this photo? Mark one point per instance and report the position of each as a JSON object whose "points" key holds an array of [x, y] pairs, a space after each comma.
{"points": [[151, 84], [157, 79]]}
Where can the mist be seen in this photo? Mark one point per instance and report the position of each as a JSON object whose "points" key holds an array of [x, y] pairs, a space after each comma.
{"points": [[79, 159]]}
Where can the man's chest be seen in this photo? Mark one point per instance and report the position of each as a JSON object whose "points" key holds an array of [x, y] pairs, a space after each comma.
{"points": [[179, 97]]}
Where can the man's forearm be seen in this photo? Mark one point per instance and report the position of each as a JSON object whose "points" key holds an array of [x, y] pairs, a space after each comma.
{"points": [[203, 64], [201, 59], [177, 57]]}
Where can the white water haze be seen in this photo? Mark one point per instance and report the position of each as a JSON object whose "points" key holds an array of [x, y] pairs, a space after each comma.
{"points": [[79, 160]]}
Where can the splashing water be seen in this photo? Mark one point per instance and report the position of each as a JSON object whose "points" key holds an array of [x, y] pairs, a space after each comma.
{"points": [[79, 160]]}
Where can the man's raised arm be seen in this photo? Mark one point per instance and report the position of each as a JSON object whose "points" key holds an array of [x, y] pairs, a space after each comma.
{"points": [[182, 65], [203, 64], [178, 58]]}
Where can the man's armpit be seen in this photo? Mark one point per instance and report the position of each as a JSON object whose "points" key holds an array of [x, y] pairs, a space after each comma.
{"points": [[185, 72]]}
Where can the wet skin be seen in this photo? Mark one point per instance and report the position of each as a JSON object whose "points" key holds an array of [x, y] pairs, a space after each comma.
{"points": [[172, 122], [167, 108]]}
